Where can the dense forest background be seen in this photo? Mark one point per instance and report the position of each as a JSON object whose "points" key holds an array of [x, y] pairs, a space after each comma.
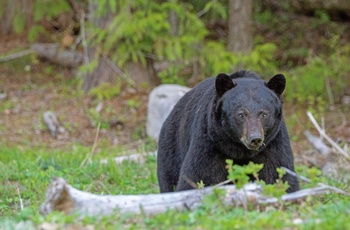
{"points": [[110, 54], [93, 63]]}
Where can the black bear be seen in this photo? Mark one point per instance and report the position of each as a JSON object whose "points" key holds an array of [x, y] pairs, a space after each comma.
{"points": [[236, 117]]}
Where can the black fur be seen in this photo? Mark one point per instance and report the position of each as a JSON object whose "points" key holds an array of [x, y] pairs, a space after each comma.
{"points": [[235, 117]]}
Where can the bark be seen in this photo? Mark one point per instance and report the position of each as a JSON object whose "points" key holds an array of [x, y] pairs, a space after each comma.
{"points": [[173, 19], [27, 6], [240, 31], [63, 197], [140, 73], [102, 73], [12, 8]]}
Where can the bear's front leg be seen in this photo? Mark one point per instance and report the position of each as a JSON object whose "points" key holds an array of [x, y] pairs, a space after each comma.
{"points": [[208, 168]]}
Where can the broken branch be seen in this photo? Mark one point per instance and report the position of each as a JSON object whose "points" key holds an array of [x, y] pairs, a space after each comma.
{"points": [[325, 136]]}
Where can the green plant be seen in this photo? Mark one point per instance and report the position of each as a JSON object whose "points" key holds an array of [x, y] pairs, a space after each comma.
{"points": [[241, 175], [134, 103], [323, 78], [322, 15], [277, 189], [200, 184], [146, 30], [106, 91], [96, 118], [171, 75], [216, 59]]}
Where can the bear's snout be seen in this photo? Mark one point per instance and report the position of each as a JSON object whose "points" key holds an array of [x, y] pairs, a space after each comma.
{"points": [[253, 136], [255, 142]]}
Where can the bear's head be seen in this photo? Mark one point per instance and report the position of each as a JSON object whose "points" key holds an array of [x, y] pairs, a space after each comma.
{"points": [[248, 109]]}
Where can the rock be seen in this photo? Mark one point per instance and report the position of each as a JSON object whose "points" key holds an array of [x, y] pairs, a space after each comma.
{"points": [[162, 100], [3, 96]]}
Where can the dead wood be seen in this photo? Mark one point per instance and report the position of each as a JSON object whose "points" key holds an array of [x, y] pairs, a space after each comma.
{"points": [[15, 55], [52, 52], [136, 157], [51, 121], [317, 143], [58, 55], [323, 134], [63, 197]]}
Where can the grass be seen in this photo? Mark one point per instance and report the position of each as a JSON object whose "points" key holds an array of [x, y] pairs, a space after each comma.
{"points": [[25, 174]]}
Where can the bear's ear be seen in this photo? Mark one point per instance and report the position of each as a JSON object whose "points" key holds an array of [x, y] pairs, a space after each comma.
{"points": [[223, 83], [277, 84]]}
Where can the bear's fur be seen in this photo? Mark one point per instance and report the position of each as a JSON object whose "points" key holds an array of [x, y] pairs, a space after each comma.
{"points": [[236, 117]]}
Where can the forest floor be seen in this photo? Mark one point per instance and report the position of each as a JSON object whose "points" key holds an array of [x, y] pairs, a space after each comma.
{"points": [[32, 87]]}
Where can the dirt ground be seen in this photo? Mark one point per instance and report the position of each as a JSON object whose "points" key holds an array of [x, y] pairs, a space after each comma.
{"points": [[31, 89]]}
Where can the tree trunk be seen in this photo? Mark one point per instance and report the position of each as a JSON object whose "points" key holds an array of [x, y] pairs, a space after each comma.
{"points": [[240, 34], [143, 74], [103, 72], [12, 8], [106, 70]]}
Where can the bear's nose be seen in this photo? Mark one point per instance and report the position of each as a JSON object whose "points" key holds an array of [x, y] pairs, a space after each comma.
{"points": [[256, 141]]}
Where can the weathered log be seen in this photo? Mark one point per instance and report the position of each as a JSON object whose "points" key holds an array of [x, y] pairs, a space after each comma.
{"points": [[58, 55], [63, 197]]}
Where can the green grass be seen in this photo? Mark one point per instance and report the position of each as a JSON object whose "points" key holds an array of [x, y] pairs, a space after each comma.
{"points": [[29, 171]]}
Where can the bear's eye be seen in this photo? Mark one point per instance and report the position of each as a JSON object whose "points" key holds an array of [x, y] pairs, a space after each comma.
{"points": [[263, 114], [241, 115]]}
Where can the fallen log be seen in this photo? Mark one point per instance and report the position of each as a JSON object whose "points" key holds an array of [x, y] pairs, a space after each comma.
{"points": [[63, 197], [58, 55], [52, 52]]}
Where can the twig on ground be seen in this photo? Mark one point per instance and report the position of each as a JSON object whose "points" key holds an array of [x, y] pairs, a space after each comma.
{"points": [[20, 199], [136, 157], [296, 175], [323, 134], [91, 153], [337, 190], [16, 55]]}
